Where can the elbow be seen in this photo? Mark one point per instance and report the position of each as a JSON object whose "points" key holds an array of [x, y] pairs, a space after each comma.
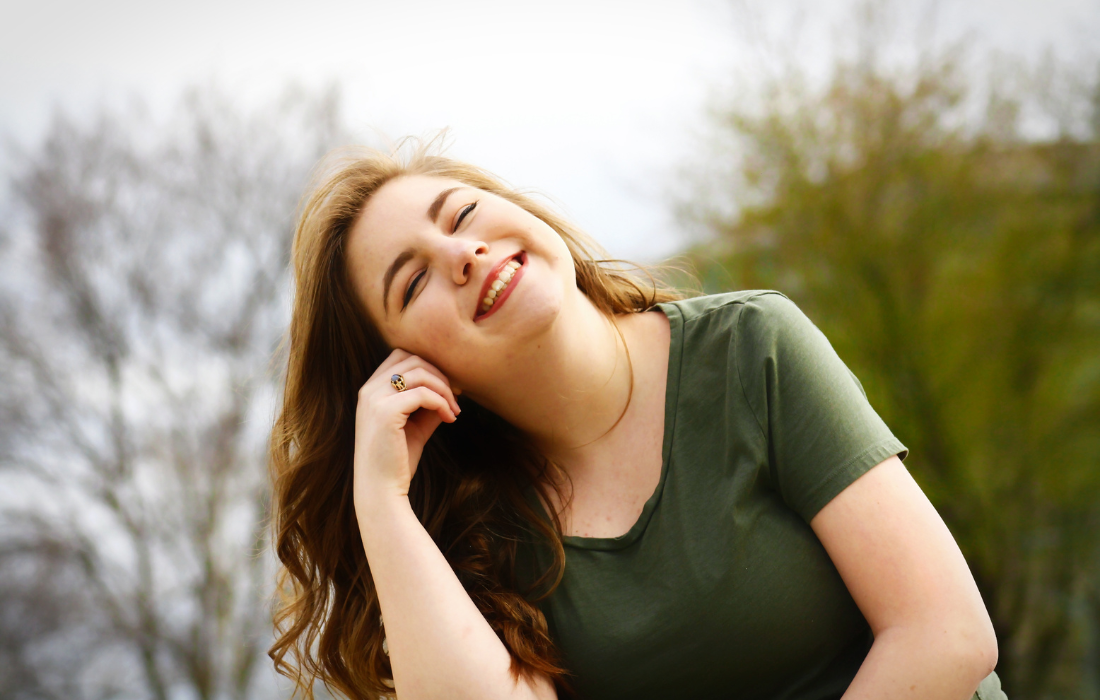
{"points": [[966, 650], [975, 648], [981, 638], [987, 649]]}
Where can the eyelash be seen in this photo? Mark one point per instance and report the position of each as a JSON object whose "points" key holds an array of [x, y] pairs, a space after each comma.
{"points": [[416, 280], [462, 215], [411, 289]]}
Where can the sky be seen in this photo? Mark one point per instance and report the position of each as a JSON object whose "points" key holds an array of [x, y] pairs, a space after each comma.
{"points": [[597, 103]]}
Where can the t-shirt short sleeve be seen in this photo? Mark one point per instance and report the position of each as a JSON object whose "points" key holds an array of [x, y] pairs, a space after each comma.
{"points": [[822, 432]]}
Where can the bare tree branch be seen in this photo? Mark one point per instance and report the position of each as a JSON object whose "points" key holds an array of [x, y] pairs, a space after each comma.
{"points": [[134, 351]]}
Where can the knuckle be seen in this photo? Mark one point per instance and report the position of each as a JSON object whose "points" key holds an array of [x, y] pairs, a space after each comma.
{"points": [[422, 363], [429, 395], [421, 376], [432, 371]]}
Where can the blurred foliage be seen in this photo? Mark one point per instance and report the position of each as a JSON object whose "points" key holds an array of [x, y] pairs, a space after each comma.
{"points": [[954, 262]]}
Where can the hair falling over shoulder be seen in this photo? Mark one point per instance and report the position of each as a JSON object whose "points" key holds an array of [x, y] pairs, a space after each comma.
{"points": [[475, 502]]}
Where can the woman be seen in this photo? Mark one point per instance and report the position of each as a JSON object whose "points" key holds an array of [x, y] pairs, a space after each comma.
{"points": [[504, 470]]}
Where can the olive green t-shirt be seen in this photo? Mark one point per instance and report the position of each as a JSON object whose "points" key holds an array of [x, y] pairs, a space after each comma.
{"points": [[721, 589]]}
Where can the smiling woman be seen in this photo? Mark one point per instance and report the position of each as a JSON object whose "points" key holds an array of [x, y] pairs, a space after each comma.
{"points": [[389, 261], [644, 496]]}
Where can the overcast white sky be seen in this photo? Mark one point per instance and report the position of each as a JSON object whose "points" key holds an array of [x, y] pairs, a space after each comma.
{"points": [[591, 101]]}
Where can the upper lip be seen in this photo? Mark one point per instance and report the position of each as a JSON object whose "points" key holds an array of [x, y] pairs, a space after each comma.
{"points": [[490, 278]]}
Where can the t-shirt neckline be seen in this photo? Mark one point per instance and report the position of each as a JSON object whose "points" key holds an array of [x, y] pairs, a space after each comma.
{"points": [[672, 385]]}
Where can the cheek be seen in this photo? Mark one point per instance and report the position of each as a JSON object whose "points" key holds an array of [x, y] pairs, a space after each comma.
{"points": [[437, 336], [436, 340], [560, 259]]}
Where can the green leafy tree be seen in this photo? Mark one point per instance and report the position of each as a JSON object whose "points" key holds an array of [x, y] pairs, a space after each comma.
{"points": [[955, 265]]}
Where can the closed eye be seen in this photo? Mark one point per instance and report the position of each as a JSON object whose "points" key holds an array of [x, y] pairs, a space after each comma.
{"points": [[416, 280], [462, 214], [411, 289]]}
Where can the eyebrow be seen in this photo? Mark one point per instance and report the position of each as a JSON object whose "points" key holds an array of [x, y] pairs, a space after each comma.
{"points": [[437, 204], [399, 262]]}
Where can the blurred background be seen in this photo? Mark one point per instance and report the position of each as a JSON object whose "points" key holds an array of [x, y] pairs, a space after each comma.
{"points": [[923, 179]]}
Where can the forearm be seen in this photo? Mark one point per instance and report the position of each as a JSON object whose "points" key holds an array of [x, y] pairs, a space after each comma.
{"points": [[922, 661], [439, 643]]}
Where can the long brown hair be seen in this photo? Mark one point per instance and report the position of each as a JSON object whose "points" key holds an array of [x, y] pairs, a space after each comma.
{"points": [[473, 501]]}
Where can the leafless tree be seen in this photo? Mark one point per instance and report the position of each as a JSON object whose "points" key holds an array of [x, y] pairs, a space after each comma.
{"points": [[143, 293]]}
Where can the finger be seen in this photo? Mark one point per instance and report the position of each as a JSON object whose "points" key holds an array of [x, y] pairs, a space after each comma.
{"points": [[408, 402], [417, 362], [396, 356], [404, 363], [420, 376], [426, 421], [382, 373]]}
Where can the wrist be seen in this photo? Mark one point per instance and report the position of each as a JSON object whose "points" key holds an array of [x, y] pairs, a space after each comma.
{"points": [[377, 507]]}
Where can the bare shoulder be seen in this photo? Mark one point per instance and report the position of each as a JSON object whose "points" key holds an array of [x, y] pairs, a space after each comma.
{"points": [[648, 335], [649, 327]]}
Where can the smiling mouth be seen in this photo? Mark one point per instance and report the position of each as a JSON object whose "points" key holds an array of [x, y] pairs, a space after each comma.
{"points": [[499, 285]]}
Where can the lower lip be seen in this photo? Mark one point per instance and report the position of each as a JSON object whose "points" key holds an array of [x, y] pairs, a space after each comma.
{"points": [[504, 293]]}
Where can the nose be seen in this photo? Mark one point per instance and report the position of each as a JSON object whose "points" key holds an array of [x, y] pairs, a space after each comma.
{"points": [[463, 255]]}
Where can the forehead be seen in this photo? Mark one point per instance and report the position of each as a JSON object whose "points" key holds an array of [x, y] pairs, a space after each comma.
{"points": [[399, 208]]}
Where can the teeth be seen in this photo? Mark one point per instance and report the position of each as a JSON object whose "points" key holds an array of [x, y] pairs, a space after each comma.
{"points": [[499, 284]]}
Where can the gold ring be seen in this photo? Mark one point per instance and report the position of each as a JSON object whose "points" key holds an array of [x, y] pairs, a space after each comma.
{"points": [[398, 382]]}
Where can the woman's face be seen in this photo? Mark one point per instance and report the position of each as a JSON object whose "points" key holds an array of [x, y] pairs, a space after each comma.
{"points": [[422, 257]]}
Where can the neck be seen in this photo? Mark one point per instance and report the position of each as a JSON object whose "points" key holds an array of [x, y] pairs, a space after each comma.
{"points": [[568, 390]]}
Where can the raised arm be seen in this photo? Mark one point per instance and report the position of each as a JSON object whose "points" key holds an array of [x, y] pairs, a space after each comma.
{"points": [[439, 643], [933, 636]]}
